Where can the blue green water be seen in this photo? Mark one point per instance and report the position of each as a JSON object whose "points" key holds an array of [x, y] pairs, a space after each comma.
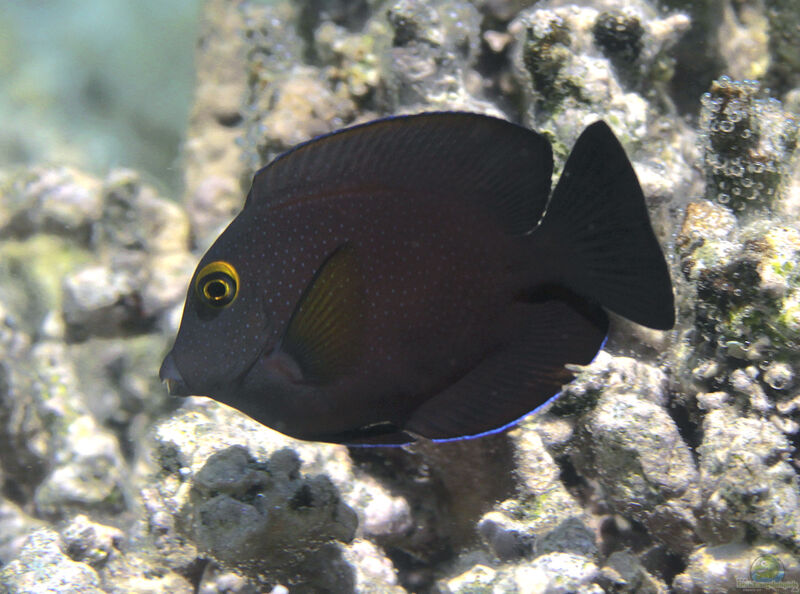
{"points": [[97, 83]]}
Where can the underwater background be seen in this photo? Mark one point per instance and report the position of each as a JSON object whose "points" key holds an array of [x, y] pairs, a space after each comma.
{"points": [[130, 133]]}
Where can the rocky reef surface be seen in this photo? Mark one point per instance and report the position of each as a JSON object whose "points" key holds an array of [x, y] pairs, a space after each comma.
{"points": [[669, 464]]}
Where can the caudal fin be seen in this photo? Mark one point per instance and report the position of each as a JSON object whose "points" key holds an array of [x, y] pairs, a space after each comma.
{"points": [[598, 236]]}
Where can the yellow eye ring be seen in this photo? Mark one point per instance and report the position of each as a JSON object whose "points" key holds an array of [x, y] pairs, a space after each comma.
{"points": [[217, 284]]}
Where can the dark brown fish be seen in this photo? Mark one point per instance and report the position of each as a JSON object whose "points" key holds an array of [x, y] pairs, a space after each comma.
{"points": [[397, 279]]}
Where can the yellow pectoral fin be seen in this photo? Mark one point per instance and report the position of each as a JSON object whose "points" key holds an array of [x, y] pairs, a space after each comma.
{"points": [[325, 333]]}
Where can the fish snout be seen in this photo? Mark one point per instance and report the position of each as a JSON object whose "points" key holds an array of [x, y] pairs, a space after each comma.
{"points": [[170, 375]]}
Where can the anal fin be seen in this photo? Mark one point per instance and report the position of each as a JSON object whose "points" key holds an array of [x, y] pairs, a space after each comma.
{"points": [[520, 377]]}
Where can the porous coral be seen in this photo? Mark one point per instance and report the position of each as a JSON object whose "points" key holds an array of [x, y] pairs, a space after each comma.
{"points": [[748, 141]]}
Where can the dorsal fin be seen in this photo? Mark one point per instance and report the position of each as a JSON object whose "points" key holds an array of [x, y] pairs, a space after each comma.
{"points": [[324, 334], [493, 163]]}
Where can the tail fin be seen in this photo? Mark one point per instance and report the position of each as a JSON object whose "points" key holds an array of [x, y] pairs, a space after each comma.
{"points": [[598, 234]]}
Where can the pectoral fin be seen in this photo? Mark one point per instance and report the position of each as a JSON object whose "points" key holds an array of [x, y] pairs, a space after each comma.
{"points": [[324, 335]]}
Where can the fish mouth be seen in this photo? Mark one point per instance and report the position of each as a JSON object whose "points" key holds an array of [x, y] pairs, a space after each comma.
{"points": [[170, 375]]}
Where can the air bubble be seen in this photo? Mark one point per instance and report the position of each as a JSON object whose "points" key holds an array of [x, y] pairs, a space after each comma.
{"points": [[726, 126], [723, 198]]}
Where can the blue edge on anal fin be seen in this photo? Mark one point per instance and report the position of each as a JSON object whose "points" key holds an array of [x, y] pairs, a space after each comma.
{"points": [[522, 379]]}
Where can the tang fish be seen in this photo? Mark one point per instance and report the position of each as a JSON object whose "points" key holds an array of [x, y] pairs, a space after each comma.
{"points": [[414, 277]]}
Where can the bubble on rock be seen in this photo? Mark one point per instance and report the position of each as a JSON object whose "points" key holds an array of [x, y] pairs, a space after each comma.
{"points": [[748, 140]]}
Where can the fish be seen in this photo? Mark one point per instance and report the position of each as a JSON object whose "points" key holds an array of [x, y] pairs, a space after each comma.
{"points": [[414, 277]]}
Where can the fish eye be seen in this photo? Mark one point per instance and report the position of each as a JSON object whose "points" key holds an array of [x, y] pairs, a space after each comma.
{"points": [[217, 284]]}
